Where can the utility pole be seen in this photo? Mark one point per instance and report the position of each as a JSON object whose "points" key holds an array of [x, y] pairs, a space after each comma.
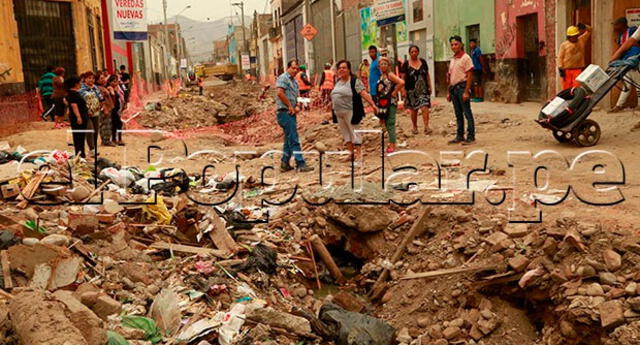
{"points": [[332, 8], [312, 60], [245, 44], [166, 39], [178, 47]]}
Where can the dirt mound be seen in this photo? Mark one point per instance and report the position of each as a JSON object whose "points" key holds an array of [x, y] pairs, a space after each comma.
{"points": [[221, 104]]}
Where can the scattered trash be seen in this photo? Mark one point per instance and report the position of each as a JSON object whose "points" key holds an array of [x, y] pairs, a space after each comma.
{"points": [[151, 331]]}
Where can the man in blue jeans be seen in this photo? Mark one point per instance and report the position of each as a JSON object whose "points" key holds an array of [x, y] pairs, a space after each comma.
{"points": [[460, 78], [286, 101]]}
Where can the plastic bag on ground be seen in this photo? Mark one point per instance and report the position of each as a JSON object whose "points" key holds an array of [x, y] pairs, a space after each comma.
{"points": [[158, 210], [232, 321], [351, 328], [122, 178], [165, 310], [261, 258]]}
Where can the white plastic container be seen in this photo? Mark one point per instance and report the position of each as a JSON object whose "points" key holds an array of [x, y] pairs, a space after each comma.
{"points": [[593, 77], [555, 107]]}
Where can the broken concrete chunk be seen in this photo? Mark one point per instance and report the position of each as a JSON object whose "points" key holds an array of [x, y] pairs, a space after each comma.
{"points": [[450, 333], [607, 278], [519, 263], [611, 314], [612, 259], [516, 230], [56, 240], [36, 319], [90, 325], [82, 224], [64, 266], [41, 277], [595, 289], [496, 238], [274, 318], [105, 306], [361, 218]]}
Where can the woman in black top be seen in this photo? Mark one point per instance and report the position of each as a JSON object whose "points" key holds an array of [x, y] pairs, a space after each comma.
{"points": [[415, 73], [78, 114]]}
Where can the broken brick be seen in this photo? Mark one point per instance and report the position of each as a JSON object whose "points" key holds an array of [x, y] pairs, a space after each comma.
{"points": [[611, 314]]}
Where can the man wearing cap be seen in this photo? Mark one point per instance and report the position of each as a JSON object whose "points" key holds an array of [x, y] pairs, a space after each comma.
{"points": [[625, 34], [571, 59]]}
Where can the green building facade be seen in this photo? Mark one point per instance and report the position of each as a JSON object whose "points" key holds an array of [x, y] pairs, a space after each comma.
{"points": [[467, 18]]}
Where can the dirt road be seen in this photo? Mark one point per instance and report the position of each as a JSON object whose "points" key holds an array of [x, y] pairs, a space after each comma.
{"points": [[501, 128]]}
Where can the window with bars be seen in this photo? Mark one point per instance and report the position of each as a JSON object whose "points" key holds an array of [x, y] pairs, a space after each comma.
{"points": [[100, 42], [418, 11]]}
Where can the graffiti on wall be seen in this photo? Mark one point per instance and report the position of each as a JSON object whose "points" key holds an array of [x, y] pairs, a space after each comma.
{"points": [[509, 37], [368, 28], [5, 71]]}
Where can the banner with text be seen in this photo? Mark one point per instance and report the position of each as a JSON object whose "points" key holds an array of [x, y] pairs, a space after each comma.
{"points": [[129, 18], [388, 11]]}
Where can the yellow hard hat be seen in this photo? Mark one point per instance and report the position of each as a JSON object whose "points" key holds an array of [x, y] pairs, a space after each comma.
{"points": [[573, 31]]}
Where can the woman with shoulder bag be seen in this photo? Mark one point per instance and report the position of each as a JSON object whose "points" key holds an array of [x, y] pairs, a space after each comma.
{"points": [[348, 109], [387, 89]]}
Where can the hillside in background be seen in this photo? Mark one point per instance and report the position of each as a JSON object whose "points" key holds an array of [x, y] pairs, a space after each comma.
{"points": [[199, 35]]}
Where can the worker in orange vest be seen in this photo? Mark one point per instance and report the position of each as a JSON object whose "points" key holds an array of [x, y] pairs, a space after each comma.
{"points": [[303, 84], [327, 81]]}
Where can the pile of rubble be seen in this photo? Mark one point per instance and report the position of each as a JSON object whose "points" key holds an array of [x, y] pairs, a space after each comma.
{"points": [[124, 256], [141, 263], [221, 104], [468, 276]]}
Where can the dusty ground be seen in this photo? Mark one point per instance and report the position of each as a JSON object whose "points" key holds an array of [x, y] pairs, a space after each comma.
{"points": [[501, 128]]}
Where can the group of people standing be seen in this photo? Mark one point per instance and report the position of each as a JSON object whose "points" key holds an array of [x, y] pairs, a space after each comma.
{"points": [[94, 103], [379, 85]]}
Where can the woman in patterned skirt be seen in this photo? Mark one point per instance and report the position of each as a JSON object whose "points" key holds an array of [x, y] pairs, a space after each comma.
{"points": [[415, 73]]}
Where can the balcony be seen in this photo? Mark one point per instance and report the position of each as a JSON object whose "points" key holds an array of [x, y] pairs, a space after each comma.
{"points": [[275, 33]]}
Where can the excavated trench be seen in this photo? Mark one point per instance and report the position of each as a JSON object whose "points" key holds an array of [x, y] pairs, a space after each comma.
{"points": [[488, 305]]}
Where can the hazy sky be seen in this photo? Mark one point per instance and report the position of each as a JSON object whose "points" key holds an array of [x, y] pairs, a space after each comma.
{"points": [[203, 9]]}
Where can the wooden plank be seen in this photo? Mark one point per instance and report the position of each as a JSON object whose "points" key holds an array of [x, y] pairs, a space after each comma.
{"points": [[446, 272], [6, 270], [220, 236], [415, 229], [5, 295], [30, 189], [319, 246], [190, 249], [96, 191]]}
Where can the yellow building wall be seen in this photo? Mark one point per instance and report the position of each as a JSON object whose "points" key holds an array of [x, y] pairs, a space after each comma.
{"points": [[10, 61], [81, 31], [11, 75]]}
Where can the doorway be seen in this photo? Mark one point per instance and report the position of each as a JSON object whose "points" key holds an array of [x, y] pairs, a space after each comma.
{"points": [[531, 65], [473, 32], [581, 13], [45, 31], [388, 42]]}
